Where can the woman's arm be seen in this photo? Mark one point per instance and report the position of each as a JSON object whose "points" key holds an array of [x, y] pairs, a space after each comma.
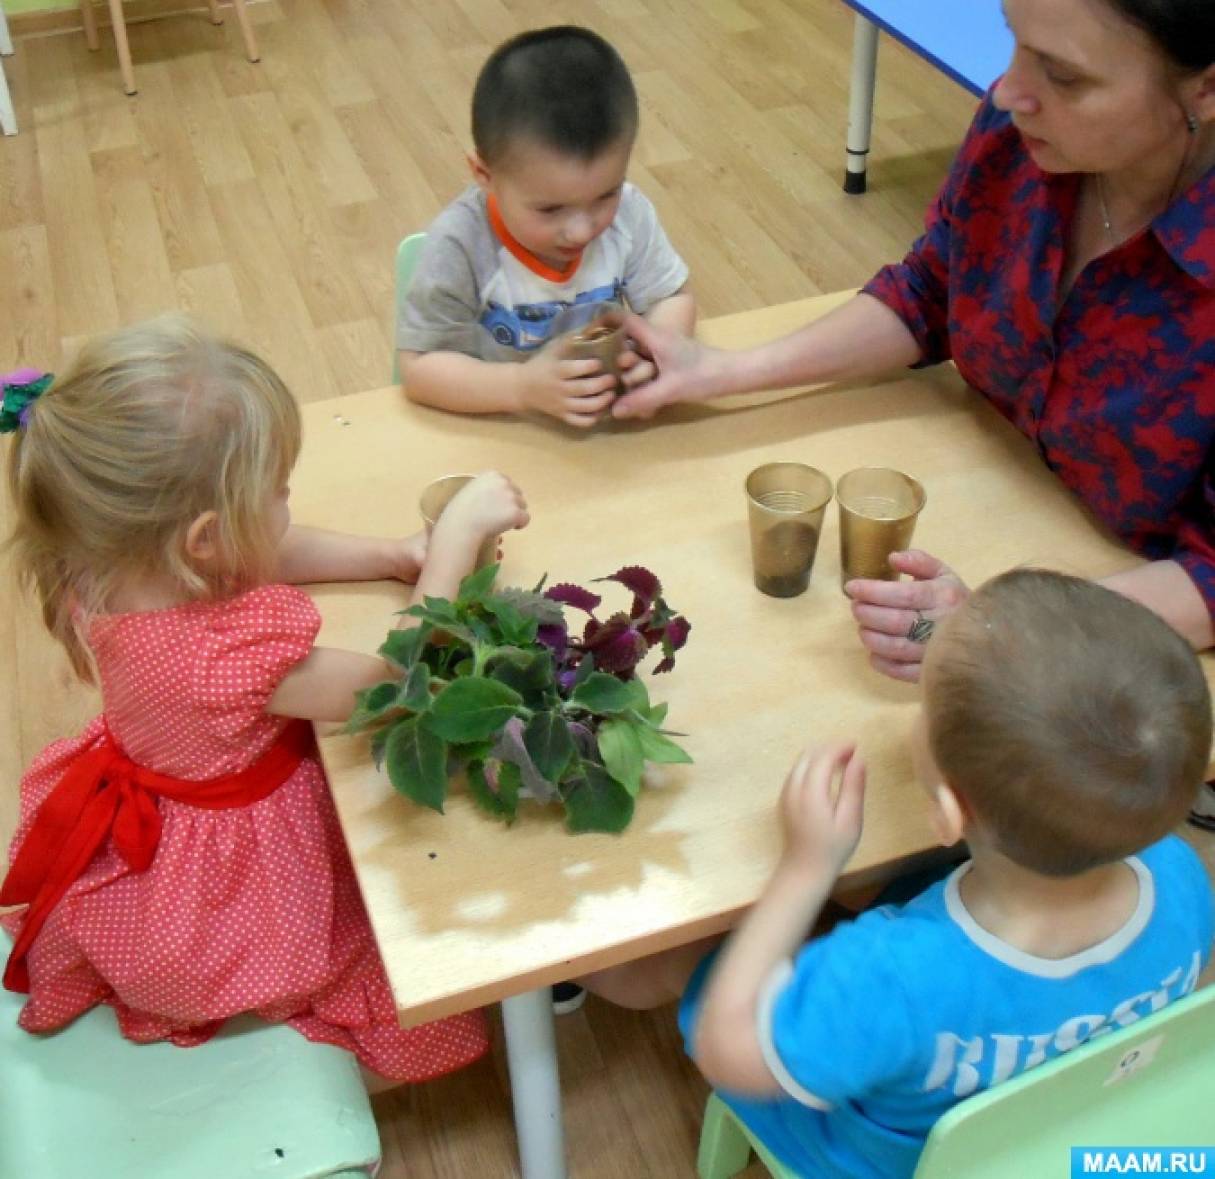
{"points": [[861, 338], [1166, 588]]}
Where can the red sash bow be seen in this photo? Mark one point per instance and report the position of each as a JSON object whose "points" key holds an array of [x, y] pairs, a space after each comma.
{"points": [[104, 793]]}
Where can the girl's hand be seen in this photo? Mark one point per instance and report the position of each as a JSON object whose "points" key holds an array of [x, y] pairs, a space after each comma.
{"points": [[576, 391], [886, 611], [822, 826], [408, 556], [486, 506], [683, 367]]}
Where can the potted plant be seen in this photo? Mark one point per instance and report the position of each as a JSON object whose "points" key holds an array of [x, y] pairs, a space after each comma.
{"points": [[500, 686]]}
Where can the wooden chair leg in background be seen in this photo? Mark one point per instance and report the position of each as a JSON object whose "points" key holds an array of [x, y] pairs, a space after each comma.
{"points": [[124, 49], [89, 19], [246, 29], [217, 17]]}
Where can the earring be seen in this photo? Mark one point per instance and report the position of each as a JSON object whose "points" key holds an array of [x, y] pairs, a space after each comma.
{"points": [[1191, 122]]}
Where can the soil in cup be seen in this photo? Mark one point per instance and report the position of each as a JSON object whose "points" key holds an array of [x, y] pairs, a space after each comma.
{"points": [[785, 558]]}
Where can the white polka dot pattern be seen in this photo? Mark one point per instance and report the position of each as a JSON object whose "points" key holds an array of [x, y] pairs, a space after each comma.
{"points": [[250, 909]]}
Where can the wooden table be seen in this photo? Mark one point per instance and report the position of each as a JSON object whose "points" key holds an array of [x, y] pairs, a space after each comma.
{"points": [[467, 912]]}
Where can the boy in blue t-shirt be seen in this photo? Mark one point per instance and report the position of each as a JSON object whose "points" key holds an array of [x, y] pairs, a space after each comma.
{"points": [[1064, 732]]}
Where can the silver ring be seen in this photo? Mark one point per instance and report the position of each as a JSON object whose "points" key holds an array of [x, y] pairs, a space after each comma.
{"points": [[921, 629]]}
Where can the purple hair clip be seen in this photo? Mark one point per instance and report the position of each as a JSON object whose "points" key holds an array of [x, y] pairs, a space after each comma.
{"points": [[19, 391]]}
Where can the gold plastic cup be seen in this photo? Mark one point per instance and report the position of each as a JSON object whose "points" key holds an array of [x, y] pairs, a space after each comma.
{"points": [[786, 503], [602, 338], [878, 510], [437, 495]]}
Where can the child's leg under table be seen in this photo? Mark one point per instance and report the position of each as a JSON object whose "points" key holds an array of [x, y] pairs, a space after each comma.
{"points": [[650, 982]]}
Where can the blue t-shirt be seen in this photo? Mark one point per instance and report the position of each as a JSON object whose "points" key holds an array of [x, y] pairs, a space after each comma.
{"points": [[881, 1026]]}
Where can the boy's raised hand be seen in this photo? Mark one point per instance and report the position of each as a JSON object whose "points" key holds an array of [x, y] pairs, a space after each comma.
{"points": [[822, 824], [489, 504], [578, 392]]}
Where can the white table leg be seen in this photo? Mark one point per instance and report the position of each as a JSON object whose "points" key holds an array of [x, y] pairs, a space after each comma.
{"points": [[8, 119], [6, 42], [531, 1052], [860, 102]]}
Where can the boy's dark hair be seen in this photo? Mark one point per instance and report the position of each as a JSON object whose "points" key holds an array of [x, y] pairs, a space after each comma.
{"points": [[1073, 722], [564, 87]]}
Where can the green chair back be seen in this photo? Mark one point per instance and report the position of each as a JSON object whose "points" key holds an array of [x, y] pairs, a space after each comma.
{"points": [[1149, 1084], [408, 253]]}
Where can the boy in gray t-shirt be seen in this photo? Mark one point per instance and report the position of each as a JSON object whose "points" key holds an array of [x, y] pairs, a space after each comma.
{"points": [[550, 227]]}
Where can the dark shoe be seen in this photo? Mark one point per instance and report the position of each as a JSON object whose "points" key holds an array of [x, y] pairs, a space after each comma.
{"points": [[1203, 814], [567, 997]]}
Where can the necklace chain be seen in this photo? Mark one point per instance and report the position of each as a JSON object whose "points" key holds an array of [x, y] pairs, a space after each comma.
{"points": [[1105, 210]]}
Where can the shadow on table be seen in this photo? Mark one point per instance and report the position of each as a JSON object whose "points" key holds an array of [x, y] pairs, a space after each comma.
{"points": [[544, 872]]}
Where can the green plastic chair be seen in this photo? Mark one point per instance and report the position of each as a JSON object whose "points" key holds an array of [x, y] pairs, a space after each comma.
{"points": [[257, 1101], [1146, 1085], [408, 253]]}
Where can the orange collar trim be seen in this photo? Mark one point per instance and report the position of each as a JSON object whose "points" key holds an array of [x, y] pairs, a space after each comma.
{"points": [[522, 253]]}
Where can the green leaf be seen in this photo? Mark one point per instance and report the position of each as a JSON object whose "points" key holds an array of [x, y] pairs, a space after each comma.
{"points": [[417, 763], [378, 740], [657, 714], [658, 748], [530, 673], [548, 742], [373, 705], [515, 628], [595, 801], [404, 647], [502, 803], [639, 698], [476, 585], [415, 692], [601, 693], [472, 709], [533, 604], [620, 745]]}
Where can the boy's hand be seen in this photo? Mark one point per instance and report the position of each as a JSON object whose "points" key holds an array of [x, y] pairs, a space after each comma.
{"points": [[822, 826], [488, 505], [576, 391], [408, 556], [635, 370]]}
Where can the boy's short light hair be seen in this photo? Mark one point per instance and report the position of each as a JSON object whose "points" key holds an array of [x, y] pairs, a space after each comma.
{"points": [[1073, 722], [564, 88]]}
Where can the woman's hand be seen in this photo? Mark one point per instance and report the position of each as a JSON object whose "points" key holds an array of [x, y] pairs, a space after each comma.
{"points": [[683, 365], [823, 825], [886, 611]]}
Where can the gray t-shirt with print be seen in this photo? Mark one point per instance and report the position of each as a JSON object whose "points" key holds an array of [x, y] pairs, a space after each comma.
{"points": [[471, 294]]}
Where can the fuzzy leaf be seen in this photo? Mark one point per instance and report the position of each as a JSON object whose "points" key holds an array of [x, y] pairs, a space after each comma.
{"points": [[373, 705], [476, 585], [595, 801], [514, 626], [415, 692], [378, 740], [491, 793], [616, 646], [533, 604], [511, 749], [674, 636], [417, 763], [404, 647], [657, 748], [530, 674], [472, 709], [548, 741], [601, 693], [620, 745], [644, 585], [573, 595]]}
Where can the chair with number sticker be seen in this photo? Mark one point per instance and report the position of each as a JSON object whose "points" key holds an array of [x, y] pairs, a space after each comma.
{"points": [[1148, 1084]]}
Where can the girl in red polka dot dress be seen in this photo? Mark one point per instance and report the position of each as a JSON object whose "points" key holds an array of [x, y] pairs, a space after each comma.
{"points": [[181, 860]]}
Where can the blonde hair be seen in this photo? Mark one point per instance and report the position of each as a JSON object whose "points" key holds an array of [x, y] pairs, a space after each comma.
{"points": [[1074, 722], [155, 425]]}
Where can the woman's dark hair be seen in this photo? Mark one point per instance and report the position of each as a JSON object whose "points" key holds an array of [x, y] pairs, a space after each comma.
{"points": [[1183, 29]]}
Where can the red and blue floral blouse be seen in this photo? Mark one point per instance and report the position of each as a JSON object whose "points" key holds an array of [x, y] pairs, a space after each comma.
{"points": [[1113, 380]]}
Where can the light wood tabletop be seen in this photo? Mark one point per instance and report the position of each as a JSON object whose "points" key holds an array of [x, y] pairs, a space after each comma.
{"points": [[466, 911]]}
